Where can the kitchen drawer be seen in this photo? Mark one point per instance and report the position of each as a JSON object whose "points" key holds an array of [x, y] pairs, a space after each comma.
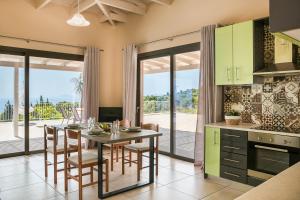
{"points": [[234, 160], [234, 147], [235, 174], [234, 141], [234, 136]]}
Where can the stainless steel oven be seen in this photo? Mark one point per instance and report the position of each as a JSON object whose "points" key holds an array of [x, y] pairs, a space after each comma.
{"points": [[269, 154]]}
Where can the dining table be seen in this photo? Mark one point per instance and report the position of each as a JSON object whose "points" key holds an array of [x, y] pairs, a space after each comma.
{"points": [[120, 136]]}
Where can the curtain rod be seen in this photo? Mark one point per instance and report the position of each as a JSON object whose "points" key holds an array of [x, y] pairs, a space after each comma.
{"points": [[45, 42], [168, 38]]}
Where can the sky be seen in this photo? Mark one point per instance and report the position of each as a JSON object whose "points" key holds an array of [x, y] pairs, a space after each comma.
{"points": [[55, 85], [159, 83]]}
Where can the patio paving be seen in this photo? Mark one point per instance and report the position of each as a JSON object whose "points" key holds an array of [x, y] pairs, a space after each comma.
{"points": [[185, 134]]}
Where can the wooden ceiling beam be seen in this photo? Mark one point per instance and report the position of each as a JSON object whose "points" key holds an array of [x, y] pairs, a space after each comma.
{"points": [[115, 17], [84, 5], [163, 2], [106, 12], [41, 3], [124, 5]]}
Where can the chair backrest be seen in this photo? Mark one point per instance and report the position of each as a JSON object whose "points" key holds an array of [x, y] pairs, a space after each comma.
{"points": [[72, 140], [76, 115], [63, 112], [125, 123], [150, 126], [50, 134]]}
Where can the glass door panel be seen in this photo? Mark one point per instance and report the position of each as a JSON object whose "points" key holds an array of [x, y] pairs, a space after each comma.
{"points": [[12, 138], [186, 81], [55, 96], [155, 97]]}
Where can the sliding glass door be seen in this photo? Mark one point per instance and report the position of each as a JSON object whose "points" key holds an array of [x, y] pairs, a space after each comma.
{"points": [[155, 93], [168, 95], [11, 104], [55, 96], [36, 88]]}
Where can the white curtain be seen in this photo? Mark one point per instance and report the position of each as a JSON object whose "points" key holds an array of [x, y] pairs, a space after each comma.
{"points": [[90, 93], [210, 95], [129, 82]]}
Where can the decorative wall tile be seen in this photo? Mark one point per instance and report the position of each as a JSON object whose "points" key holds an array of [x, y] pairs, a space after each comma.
{"points": [[267, 103], [291, 92], [278, 121], [268, 88], [274, 103], [268, 46], [267, 120]]}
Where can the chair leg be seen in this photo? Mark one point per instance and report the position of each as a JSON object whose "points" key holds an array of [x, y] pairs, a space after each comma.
{"points": [[112, 157], [106, 176], [55, 168], [156, 154], [130, 158], [117, 153], [80, 182], [138, 166], [66, 175], [46, 163], [123, 158], [92, 174]]}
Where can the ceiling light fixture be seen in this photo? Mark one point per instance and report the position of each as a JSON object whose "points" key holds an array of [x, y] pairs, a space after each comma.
{"points": [[78, 19]]}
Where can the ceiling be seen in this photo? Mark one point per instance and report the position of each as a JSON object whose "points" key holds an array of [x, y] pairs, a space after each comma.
{"points": [[183, 61], [109, 11]]}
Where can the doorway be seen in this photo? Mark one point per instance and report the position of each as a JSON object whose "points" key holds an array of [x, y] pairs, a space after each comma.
{"points": [[168, 95]]}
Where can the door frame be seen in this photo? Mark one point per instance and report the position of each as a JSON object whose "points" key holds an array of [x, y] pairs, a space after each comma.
{"points": [[27, 53], [171, 52]]}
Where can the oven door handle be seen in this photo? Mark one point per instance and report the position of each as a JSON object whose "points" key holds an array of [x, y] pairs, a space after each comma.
{"points": [[271, 148]]}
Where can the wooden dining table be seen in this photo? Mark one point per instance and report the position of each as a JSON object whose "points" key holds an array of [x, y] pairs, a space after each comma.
{"points": [[120, 136]]}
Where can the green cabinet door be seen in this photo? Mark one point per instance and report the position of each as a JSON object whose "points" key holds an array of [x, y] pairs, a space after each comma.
{"points": [[223, 56], [243, 58], [212, 151]]}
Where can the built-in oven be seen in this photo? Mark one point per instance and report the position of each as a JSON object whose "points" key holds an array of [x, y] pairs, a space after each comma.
{"points": [[269, 154]]}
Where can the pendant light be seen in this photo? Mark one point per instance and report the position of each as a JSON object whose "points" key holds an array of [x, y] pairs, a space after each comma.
{"points": [[78, 19]]}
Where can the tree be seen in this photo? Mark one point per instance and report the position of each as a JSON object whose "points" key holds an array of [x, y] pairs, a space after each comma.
{"points": [[78, 86], [41, 99]]}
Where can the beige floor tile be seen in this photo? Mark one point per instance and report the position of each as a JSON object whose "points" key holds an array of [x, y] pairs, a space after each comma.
{"points": [[225, 194], [241, 187], [218, 180], [163, 193], [19, 180], [195, 186], [185, 167], [32, 192], [14, 169]]}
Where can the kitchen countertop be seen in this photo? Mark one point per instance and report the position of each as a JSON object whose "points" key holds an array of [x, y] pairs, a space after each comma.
{"points": [[248, 127], [283, 186]]}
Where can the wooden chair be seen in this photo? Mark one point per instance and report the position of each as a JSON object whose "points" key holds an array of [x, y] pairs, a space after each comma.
{"points": [[140, 149], [81, 160], [50, 135], [115, 147]]}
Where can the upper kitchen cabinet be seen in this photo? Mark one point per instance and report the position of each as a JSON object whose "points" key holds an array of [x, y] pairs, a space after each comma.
{"points": [[235, 54], [223, 51]]}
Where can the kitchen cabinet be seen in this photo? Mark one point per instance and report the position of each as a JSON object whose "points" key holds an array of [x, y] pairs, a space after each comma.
{"points": [[212, 151], [234, 54]]}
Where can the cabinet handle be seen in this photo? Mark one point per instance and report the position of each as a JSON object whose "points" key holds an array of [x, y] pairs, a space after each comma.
{"points": [[236, 73], [230, 160], [231, 174], [228, 70], [215, 141], [229, 135], [230, 147]]}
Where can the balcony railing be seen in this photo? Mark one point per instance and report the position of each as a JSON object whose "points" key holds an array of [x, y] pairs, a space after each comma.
{"points": [[40, 111]]}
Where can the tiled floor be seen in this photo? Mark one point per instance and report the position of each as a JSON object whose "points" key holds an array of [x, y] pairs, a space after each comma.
{"points": [[23, 178]]}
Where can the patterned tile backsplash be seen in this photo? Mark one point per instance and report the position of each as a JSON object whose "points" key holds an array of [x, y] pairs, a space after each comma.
{"points": [[274, 103]]}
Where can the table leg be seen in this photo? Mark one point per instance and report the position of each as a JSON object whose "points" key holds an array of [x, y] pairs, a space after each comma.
{"points": [[100, 170], [151, 160]]}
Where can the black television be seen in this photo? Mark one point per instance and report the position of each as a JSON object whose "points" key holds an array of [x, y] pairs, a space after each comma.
{"points": [[110, 114]]}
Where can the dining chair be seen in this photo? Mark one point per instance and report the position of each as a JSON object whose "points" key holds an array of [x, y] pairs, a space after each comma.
{"points": [[51, 146], [115, 147], [141, 148], [81, 160]]}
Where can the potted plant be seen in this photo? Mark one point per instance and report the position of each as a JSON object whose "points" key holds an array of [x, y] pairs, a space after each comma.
{"points": [[232, 117]]}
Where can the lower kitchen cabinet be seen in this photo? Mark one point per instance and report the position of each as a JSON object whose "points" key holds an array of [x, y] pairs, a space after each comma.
{"points": [[212, 151]]}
